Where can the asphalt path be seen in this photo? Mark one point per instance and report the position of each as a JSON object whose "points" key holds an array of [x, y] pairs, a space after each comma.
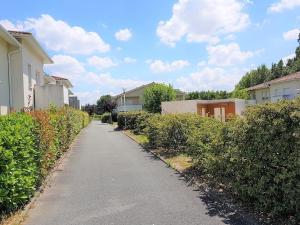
{"points": [[108, 179]]}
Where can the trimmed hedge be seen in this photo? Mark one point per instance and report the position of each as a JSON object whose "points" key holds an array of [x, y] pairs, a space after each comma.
{"points": [[256, 156], [29, 146], [136, 121], [106, 118]]}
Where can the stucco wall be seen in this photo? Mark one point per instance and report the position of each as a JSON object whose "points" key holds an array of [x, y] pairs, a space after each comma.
{"points": [[30, 57], [50, 95], [4, 80], [290, 89], [179, 106]]}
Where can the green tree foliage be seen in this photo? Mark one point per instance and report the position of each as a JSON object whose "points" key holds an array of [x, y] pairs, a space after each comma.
{"points": [[90, 109], [156, 94], [105, 104], [208, 95], [263, 73]]}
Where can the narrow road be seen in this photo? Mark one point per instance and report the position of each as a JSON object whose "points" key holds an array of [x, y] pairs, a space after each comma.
{"points": [[107, 179]]}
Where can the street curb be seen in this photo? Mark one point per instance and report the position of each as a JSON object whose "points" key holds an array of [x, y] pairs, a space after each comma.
{"points": [[251, 220], [24, 212]]}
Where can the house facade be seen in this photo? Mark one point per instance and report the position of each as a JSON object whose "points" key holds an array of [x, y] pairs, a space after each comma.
{"points": [[55, 91], [221, 109], [287, 87], [26, 70], [8, 46], [133, 100], [23, 83]]}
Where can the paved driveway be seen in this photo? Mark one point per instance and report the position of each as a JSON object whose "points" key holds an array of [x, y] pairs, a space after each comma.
{"points": [[108, 179]]}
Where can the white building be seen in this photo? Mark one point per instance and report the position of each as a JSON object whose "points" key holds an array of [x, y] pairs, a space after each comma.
{"points": [[8, 46], [22, 62], [23, 83], [287, 87], [220, 109], [55, 91]]}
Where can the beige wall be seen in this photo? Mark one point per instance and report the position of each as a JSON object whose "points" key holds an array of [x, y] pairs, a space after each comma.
{"points": [[4, 78], [30, 57], [56, 95]]}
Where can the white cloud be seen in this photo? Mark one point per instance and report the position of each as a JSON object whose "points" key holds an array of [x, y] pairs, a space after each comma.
{"points": [[226, 55], [66, 66], [123, 35], [101, 62], [158, 66], [282, 5], [59, 36], [201, 63], [202, 21], [286, 58], [88, 97], [129, 60], [106, 79], [210, 79], [291, 34]]}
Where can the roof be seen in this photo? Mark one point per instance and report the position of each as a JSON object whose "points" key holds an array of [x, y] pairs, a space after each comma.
{"points": [[63, 80], [59, 78], [137, 88], [143, 86], [290, 77], [33, 43], [211, 101], [8, 37]]}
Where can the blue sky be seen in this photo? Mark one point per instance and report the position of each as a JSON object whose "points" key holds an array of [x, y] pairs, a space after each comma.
{"points": [[104, 46]]}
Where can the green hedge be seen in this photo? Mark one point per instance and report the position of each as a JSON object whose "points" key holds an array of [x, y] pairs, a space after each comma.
{"points": [[29, 146], [256, 156], [136, 120], [106, 118]]}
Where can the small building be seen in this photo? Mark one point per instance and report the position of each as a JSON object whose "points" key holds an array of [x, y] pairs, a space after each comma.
{"points": [[55, 91], [74, 102], [134, 99], [220, 109], [286, 87]]}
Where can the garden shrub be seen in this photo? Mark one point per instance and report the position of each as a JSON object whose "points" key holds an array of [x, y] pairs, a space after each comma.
{"points": [[136, 121], [19, 160], [266, 147], [29, 145], [171, 131], [106, 118]]}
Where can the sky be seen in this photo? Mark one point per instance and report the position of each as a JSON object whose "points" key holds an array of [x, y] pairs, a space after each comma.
{"points": [[105, 46]]}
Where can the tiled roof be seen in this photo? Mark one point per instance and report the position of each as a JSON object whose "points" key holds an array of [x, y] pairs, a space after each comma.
{"points": [[290, 77], [59, 78], [14, 32]]}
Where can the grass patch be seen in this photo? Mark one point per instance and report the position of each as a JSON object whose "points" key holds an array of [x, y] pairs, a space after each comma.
{"points": [[139, 138], [180, 162]]}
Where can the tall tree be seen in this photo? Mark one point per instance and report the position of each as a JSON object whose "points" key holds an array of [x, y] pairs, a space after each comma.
{"points": [[156, 94], [105, 104]]}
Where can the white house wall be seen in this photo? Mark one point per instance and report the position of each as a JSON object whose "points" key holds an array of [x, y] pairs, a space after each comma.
{"points": [[291, 88], [29, 57], [4, 82], [179, 106], [50, 95]]}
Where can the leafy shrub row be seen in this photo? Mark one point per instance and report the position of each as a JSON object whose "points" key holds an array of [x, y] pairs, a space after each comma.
{"points": [[136, 121], [106, 118], [256, 156], [29, 146]]}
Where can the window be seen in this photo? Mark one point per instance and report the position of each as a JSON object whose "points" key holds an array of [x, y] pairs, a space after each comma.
{"points": [[29, 76]]}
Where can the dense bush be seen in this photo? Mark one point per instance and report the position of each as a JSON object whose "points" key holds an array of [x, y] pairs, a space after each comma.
{"points": [[257, 156], [29, 146], [171, 131], [106, 118], [136, 121]]}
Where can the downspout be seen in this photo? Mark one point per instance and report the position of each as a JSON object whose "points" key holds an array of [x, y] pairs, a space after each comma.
{"points": [[9, 54]]}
